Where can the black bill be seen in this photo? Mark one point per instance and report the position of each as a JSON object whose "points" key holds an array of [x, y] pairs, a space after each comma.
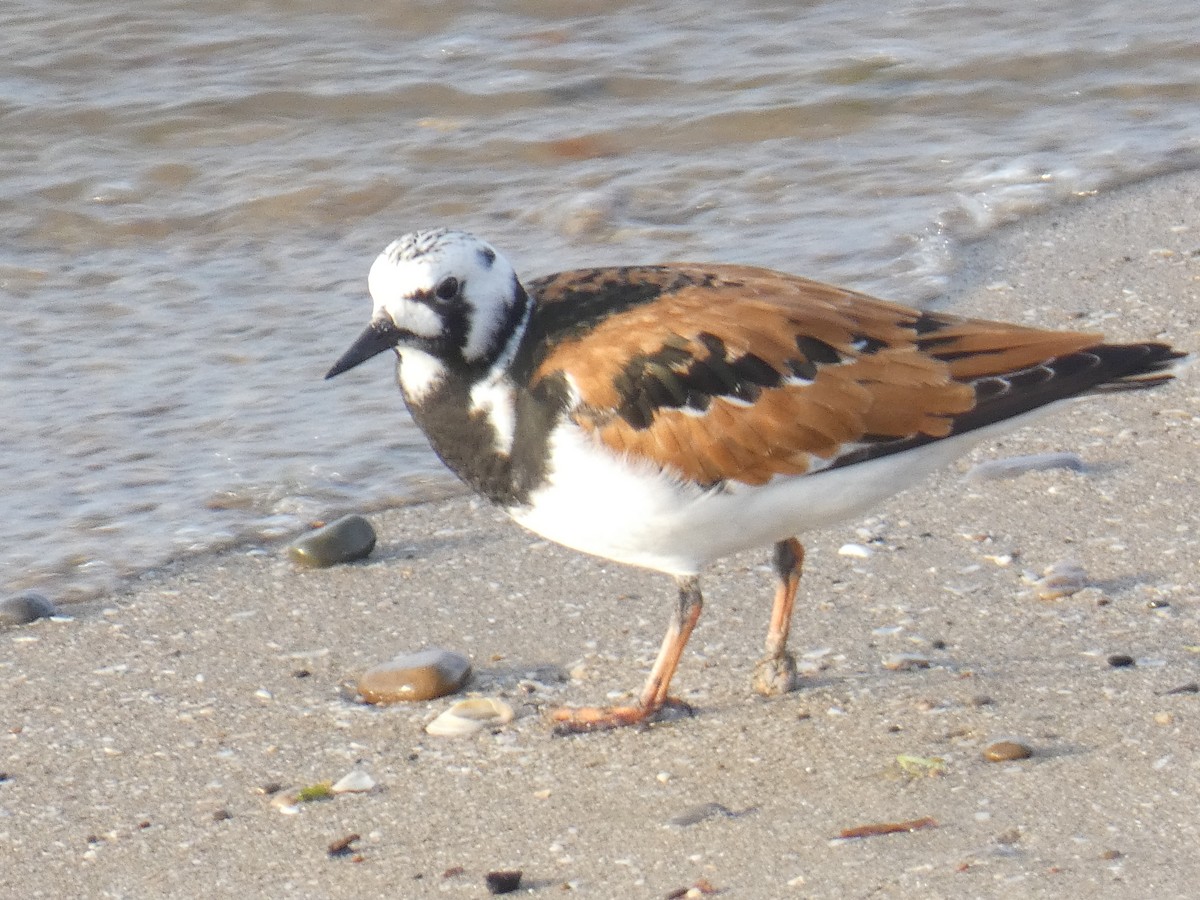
{"points": [[379, 336]]}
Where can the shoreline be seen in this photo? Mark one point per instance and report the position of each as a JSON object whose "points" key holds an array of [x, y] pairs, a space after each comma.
{"points": [[140, 733]]}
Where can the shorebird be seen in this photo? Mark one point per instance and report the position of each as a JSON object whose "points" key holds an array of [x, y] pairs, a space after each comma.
{"points": [[666, 416]]}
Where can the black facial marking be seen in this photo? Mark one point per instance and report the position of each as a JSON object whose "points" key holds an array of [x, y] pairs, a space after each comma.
{"points": [[487, 256]]}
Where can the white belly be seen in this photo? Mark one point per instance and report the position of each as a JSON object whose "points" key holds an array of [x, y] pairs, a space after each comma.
{"points": [[613, 507]]}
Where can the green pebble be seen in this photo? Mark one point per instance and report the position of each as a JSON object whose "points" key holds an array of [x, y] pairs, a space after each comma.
{"points": [[21, 609], [349, 538]]}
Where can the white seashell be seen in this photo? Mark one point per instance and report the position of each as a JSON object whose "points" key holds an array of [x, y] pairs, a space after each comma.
{"points": [[356, 782], [468, 717], [856, 551]]}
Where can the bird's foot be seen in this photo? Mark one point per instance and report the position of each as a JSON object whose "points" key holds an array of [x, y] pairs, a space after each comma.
{"points": [[774, 675], [585, 719]]}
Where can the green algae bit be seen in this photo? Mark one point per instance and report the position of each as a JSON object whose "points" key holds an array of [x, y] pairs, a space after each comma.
{"points": [[314, 792]]}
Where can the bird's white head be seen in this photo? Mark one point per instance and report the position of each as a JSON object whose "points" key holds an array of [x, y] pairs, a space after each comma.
{"points": [[445, 294]]}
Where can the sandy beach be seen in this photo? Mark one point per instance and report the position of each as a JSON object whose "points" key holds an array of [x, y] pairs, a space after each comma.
{"points": [[142, 738]]}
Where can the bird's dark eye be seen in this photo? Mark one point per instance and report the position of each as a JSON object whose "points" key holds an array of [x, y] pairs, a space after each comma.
{"points": [[447, 288]]}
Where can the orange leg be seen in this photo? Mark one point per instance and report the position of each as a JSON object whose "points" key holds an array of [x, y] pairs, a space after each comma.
{"points": [[654, 694], [775, 673]]}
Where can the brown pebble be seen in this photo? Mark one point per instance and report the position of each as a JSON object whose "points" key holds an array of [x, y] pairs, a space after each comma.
{"points": [[1121, 660], [341, 847], [1006, 751], [1111, 854], [503, 882], [222, 815], [423, 675]]}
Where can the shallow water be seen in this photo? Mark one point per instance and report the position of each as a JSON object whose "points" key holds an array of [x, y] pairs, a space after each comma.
{"points": [[193, 192]]}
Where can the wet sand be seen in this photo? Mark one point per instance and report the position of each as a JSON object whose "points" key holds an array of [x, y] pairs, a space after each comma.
{"points": [[138, 738]]}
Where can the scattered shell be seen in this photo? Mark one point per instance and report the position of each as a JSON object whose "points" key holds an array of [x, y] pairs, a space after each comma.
{"points": [[1011, 467], [503, 882], [904, 662], [855, 551], [467, 717], [424, 675], [913, 767], [356, 782], [1060, 580], [697, 814], [286, 803], [1006, 751], [349, 538], [23, 608]]}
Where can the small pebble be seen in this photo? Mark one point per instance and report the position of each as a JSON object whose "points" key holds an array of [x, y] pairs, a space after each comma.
{"points": [[1164, 718], [503, 882], [698, 814], [1001, 469], [467, 717], [904, 662], [349, 538], [1121, 661], [1006, 751], [424, 675], [21, 609], [1060, 580]]}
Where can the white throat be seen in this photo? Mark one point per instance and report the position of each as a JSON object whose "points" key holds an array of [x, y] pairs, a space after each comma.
{"points": [[419, 373]]}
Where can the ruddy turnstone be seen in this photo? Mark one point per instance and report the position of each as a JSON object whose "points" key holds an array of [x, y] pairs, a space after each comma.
{"points": [[666, 416]]}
